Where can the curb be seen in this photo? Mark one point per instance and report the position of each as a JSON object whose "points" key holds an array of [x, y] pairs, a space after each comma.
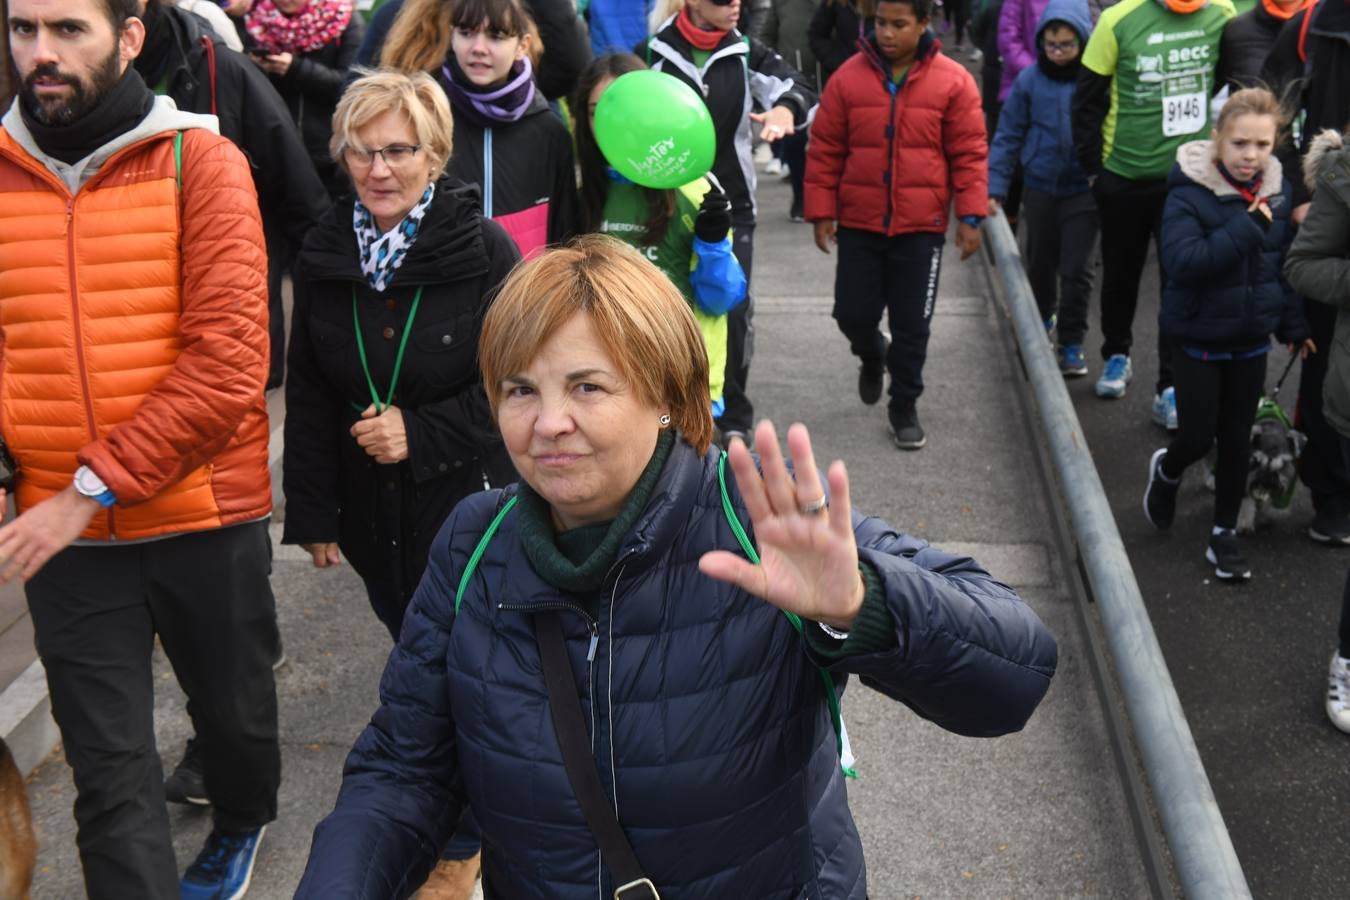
{"points": [[26, 718], [26, 723]]}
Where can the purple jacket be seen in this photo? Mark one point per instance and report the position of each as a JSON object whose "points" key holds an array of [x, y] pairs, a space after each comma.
{"points": [[1017, 39]]}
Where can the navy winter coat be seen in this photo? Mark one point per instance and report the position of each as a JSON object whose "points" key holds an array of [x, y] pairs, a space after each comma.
{"points": [[1034, 126], [1222, 282], [709, 721]]}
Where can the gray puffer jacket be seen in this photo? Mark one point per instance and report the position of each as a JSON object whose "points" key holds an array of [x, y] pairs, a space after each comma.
{"points": [[1318, 265]]}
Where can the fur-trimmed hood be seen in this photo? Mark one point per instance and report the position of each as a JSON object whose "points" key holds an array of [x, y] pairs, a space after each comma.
{"points": [[1195, 159], [1326, 148]]}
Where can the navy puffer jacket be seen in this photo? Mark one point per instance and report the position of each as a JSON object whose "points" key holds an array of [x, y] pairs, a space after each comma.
{"points": [[1223, 287], [709, 722]]}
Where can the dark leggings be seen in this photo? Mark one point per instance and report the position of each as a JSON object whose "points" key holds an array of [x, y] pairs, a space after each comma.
{"points": [[957, 14], [1345, 592], [1216, 403]]}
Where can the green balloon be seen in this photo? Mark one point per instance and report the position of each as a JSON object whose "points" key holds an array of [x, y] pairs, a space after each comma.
{"points": [[655, 130]]}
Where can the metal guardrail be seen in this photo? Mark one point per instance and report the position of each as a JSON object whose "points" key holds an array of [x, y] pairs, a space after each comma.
{"points": [[1202, 851]]}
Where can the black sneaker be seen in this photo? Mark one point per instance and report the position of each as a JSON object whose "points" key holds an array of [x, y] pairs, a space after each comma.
{"points": [[1226, 556], [795, 213], [905, 429], [1160, 497], [1331, 530], [187, 784]]}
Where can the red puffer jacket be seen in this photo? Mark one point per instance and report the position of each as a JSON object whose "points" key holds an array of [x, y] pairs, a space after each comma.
{"points": [[889, 160]]}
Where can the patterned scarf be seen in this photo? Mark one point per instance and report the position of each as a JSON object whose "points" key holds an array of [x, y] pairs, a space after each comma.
{"points": [[382, 254], [487, 107], [317, 24]]}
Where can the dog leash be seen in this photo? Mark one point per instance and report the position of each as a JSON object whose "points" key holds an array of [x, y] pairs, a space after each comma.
{"points": [[1293, 358]]}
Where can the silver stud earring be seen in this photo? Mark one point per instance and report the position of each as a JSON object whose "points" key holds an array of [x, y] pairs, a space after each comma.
{"points": [[664, 420]]}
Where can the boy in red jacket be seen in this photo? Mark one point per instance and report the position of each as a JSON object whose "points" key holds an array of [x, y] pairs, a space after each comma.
{"points": [[898, 130]]}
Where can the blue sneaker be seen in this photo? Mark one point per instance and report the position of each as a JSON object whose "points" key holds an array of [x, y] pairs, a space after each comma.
{"points": [[1165, 409], [224, 868], [1072, 363], [1115, 376]]}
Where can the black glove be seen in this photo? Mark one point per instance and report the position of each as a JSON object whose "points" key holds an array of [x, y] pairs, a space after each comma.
{"points": [[714, 217]]}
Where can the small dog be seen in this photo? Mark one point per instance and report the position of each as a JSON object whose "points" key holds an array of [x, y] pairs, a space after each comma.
{"points": [[1272, 472], [18, 845]]}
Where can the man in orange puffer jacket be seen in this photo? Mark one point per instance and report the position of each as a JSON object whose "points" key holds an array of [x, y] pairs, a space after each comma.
{"points": [[133, 347], [898, 136]]}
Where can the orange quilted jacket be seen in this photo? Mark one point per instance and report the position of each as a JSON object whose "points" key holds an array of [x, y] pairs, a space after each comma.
{"points": [[133, 334]]}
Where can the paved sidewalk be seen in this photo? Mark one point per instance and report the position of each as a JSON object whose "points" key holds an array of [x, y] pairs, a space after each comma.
{"points": [[1037, 814]]}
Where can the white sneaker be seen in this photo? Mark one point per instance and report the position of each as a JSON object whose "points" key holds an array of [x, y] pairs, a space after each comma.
{"points": [[1338, 693], [774, 167]]}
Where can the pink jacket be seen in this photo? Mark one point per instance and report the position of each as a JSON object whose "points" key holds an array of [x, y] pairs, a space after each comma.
{"points": [[1017, 39]]}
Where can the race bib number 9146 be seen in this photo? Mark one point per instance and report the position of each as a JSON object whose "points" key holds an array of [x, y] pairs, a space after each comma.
{"points": [[1184, 104]]}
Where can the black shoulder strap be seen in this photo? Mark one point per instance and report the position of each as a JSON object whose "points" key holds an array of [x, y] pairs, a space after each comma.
{"points": [[570, 725]]}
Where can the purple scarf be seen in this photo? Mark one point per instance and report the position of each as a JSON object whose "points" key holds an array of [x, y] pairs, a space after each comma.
{"points": [[491, 106]]}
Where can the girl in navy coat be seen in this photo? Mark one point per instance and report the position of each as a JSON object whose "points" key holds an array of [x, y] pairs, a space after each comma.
{"points": [[1225, 232]]}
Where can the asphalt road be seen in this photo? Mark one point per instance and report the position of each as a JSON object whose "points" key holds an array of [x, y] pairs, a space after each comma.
{"points": [[1249, 660]]}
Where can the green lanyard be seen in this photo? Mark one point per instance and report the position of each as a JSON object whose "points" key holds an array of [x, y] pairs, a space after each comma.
{"points": [[398, 360]]}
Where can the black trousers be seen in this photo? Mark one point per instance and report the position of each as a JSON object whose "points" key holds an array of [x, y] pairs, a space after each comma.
{"points": [[1344, 444], [1131, 214], [96, 612], [794, 157], [739, 413], [1061, 232], [897, 276], [1322, 468], [1216, 406], [279, 256]]}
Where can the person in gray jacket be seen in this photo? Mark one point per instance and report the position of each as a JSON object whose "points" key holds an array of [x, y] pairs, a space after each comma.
{"points": [[1318, 267], [784, 27]]}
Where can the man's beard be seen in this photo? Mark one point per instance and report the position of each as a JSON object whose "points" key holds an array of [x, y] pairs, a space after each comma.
{"points": [[83, 97]]}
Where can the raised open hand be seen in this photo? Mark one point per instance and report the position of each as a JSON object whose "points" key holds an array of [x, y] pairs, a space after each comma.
{"points": [[808, 558]]}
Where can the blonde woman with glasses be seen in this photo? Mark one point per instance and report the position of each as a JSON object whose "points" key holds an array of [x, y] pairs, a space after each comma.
{"points": [[387, 426]]}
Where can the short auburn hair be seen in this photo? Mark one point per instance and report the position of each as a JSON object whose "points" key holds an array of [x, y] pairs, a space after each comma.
{"points": [[640, 318], [417, 96]]}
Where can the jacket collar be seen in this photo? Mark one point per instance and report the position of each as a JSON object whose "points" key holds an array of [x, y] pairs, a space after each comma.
{"points": [[449, 246], [928, 45], [164, 117], [667, 512], [672, 47], [1196, 161], [187, 37]]}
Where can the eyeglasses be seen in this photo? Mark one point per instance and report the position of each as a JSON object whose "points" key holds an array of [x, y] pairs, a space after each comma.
{"points": [[395, 155], [1059, 46]]}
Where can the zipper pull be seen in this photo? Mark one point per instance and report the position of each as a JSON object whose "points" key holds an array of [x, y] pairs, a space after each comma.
{"points": [[590, 651]]}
